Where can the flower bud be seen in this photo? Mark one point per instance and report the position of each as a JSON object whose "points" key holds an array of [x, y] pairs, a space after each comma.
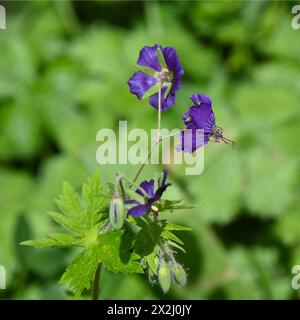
{"points": [[164, 275], [179, 274], [117, 212]]}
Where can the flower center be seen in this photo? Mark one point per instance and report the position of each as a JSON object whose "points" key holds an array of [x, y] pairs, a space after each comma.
{"points": [[154, 208], [164, 76]]}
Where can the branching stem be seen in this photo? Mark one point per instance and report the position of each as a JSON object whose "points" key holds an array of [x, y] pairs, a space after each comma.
{"points": [[133, 184]]}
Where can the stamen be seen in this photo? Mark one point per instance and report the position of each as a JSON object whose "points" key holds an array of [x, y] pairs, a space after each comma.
{"points": [[154, 208], [228, 141], [165, 77]]}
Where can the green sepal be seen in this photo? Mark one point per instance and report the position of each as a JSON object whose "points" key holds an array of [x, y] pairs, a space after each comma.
{"points": [[164, 275], [147, 70], [152, 90], [169, 86], [161, 59]]}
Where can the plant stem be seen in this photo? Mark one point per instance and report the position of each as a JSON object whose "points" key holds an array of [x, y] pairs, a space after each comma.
{"points": [[158, 136], [159, 111], [134, 185], [96, 283], [170, 135], [122, 189], [144, 163]]}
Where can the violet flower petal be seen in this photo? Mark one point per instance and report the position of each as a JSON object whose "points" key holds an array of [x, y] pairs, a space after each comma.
{"points": [[140, 83], [200, 98], [148, 186], [148, 58], [203, 117], [139, 210]]}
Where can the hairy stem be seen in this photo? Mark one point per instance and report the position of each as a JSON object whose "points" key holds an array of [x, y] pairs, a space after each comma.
{"points": [[96, 283], [170, 135], [132, 183], [122, 189], [158, 136], [144, 163], [159, 112]]}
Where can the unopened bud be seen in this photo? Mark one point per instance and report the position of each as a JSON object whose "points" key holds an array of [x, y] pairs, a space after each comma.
{"points": [[179, 274], [117, 212], [164, 275]]}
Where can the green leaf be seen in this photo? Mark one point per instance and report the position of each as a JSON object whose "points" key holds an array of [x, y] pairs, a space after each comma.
{"points": [[161, 59], [152, 261], [92, 192], [81, 213], [176, 227], [175, 245], [152, 90], [66, 222], [171, 236], [112, 249], [171, 205], [115, 250], [147, 238], [81, 272], [57, 240], [69, 204]]}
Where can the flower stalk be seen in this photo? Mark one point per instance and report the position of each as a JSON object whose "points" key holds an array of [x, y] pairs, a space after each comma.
{"points": [[159, 112], [96, 283], [133, 184], [158, 137]]}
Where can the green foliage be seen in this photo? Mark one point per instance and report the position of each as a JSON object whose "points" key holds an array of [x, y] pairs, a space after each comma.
{"points": [[105, 250], [55, 240], [83, 217], [171, 205], [65, 78], [82, 270]]}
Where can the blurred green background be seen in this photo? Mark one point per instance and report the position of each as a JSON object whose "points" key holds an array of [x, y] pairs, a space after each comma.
{"points": [[63, 72]]}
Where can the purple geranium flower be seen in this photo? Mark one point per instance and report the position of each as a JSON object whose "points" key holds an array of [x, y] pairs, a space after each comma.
{"points": [[166, 68], [153, 196], [200, 116]]}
